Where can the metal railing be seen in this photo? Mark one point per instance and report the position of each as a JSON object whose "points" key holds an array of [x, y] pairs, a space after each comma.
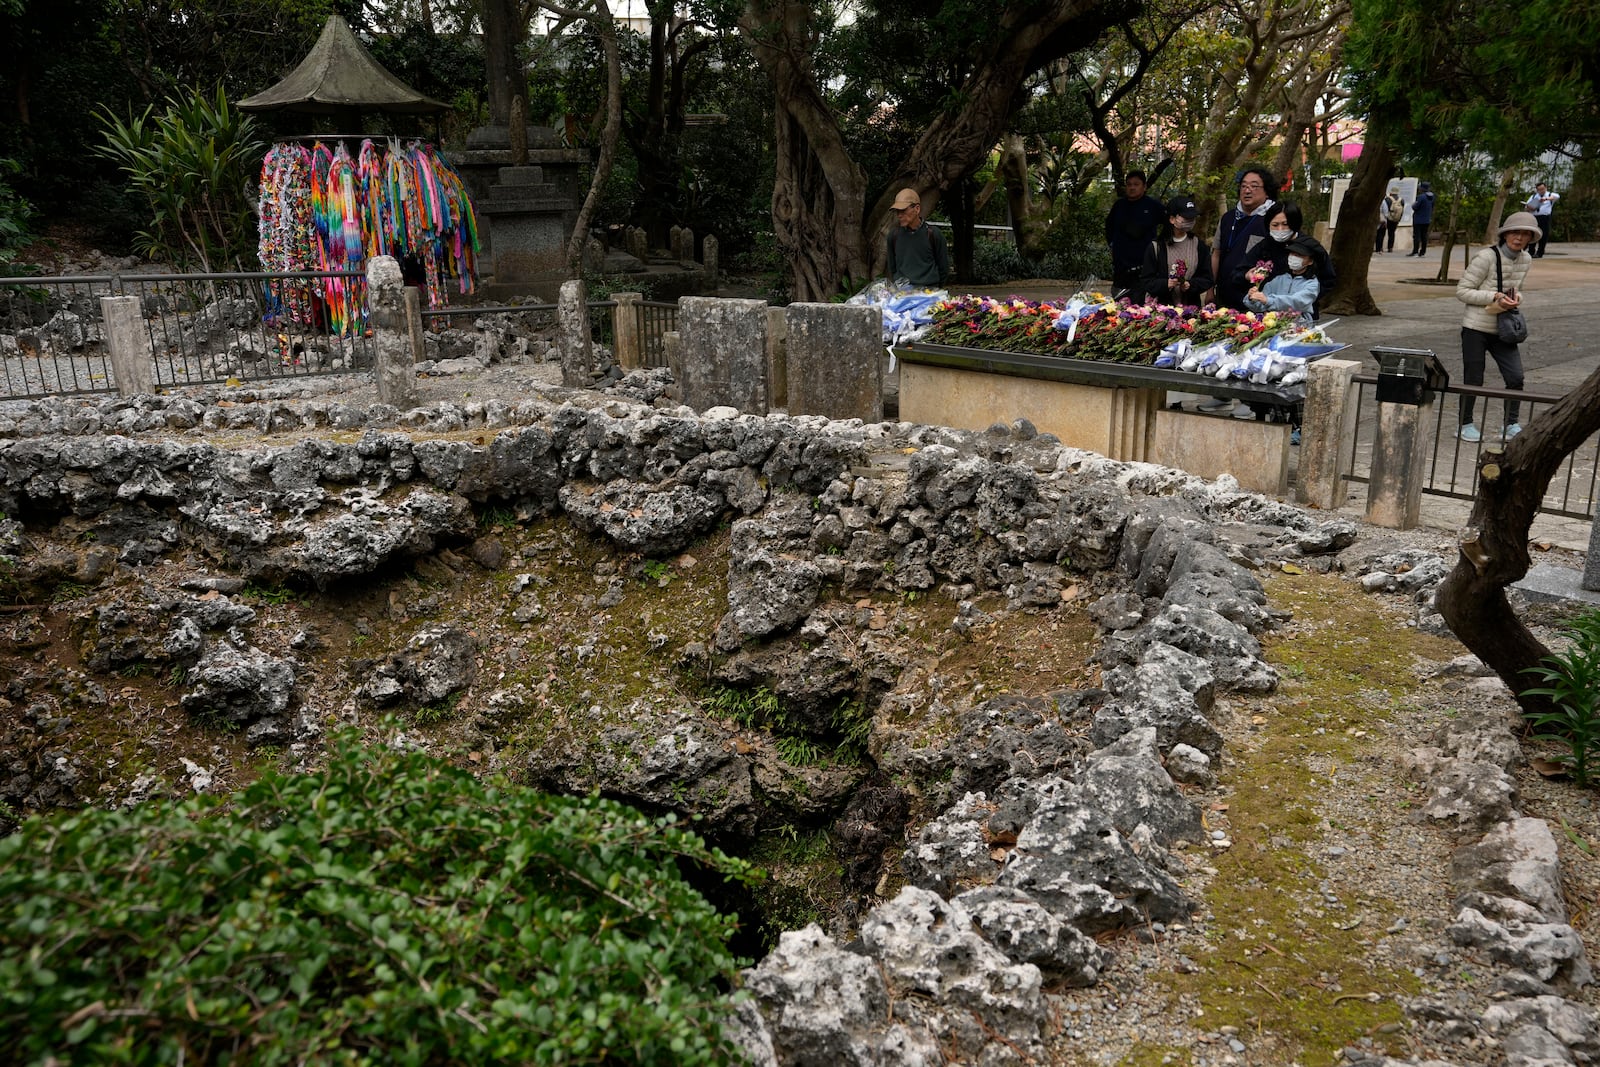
{"points": [[202, 328], [657, 318], [1452, 469]]}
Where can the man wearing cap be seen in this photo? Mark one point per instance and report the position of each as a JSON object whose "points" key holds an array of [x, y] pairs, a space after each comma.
{"points": [[1131, 225], [917, 253], [1238, 233], [1490, 286], [1177, 265]]}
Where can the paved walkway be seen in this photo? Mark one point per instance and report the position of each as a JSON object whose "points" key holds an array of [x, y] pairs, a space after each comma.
{"points": [[1562, 303]]}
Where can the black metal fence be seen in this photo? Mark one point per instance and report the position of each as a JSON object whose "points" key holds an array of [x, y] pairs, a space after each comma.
{"points": [[1452, 469], [202, 329], [657, 318]]}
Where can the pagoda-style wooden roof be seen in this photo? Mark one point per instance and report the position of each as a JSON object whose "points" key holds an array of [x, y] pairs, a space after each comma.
{"points": [[339, 76]]}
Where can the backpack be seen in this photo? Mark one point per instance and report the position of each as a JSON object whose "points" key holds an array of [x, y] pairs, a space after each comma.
{"points": [[1395, 206]]}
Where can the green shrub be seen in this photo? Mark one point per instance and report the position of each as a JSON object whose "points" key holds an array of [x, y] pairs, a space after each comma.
{"points": [[389, 909], [1572, 683], [194, 164]]}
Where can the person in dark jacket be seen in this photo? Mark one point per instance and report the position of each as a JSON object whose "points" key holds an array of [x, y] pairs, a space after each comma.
{"points": [[1421, 218], [1131, 225], [1177, 264], [1238, 233], [917, 252]]}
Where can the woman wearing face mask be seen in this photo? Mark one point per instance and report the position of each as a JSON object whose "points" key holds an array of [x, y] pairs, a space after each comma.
{"points": [[1291, 292], [1283, 226], [1177, 265]]}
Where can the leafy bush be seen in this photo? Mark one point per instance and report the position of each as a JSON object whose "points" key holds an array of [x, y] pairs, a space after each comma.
{"points": [[15, 216], [1572, 682], [389, 909], [194, 164]]}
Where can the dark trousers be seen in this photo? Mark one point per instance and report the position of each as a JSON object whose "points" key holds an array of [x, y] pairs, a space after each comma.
{"points": [[1391, 227], [1378, 247], [1475, 345], [1544, 235], [1419, 238]]}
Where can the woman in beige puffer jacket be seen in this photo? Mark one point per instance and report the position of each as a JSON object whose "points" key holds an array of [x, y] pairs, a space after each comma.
{"points": [[1487, 298]]}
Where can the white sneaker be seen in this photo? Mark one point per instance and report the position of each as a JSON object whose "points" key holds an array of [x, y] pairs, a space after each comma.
{"points": [[1512, 430], [1470, 432]]}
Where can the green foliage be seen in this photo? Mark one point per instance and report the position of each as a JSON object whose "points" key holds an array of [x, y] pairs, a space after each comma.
{"points": [[193, 164], [15, 215], [268, 594], [1498, 78], [1572, 683], [389, 909]]}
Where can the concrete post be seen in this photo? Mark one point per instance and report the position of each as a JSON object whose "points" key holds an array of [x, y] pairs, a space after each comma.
{"points": [[1401, 445], [577, 348], [835, 361], [685, 249], [724, 358], [1327, 429], [1591, 563], [128, 345], [672, 348], [626, 341], [777, 359], [709, 252], [396, 322]]}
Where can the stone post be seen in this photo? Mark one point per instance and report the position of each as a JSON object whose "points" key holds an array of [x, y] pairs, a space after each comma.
{"points": [[1591, 563], [674, 241], [709, 250], [672, 351], [627, 342], [777, 359], [638, 244], [1327, 428], [684, 252], [724, 353], [835, 364], [1401, 445], [395, 340], [128, 345], [577, 349]]}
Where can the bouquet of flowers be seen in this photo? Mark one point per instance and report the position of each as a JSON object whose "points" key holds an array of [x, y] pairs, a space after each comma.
{"points": [[1093, 326], [1260, 272], [1178, 271]]}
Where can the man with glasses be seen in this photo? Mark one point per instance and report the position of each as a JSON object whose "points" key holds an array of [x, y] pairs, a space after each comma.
{"points": [[917, 253], [1238, 232]]}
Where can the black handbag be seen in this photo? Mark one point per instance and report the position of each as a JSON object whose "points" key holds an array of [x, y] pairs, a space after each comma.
{"points": [[1510, 325]]}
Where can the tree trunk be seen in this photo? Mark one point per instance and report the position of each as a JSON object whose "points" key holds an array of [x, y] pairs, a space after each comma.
{"points": [[1358, 221], [606, 27], [1494, 545], [1507, 178], [818, 191], [502, 33], [821, 217]]}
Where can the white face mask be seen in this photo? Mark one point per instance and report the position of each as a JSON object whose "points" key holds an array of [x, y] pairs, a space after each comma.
{"points": [[1297, 262], [1280, 235], [1183, 225]]}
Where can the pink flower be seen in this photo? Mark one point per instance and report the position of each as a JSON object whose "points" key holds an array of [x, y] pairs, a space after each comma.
{"points": [[1179, 271], [1260, 272]]}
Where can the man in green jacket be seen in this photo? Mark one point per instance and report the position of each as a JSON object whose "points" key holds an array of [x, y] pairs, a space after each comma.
{"points": [[917, 253]]}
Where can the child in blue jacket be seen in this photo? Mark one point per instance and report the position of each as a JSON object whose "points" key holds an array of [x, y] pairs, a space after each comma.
{"points": [[1292, 291]]}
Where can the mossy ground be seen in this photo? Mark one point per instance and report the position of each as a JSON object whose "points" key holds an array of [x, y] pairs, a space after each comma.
{"points": [[1285, 954]]}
